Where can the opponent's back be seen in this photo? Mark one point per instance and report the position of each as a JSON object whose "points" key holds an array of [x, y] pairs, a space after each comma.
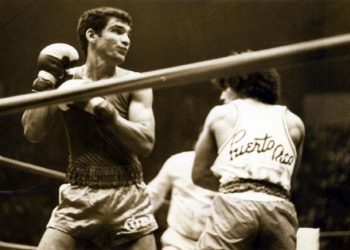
{"points": [[255, 143]]}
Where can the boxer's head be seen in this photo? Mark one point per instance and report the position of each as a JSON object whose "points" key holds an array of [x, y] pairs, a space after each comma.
{"points": [[97, 19]]}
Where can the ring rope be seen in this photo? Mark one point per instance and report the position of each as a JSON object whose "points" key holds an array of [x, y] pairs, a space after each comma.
{"points": [[174, 76], [327, 234], [7, 246], [31, 168]]}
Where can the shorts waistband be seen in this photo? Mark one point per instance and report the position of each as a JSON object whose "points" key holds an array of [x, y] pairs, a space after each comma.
{"points": [[104, 177], [243, 185]]}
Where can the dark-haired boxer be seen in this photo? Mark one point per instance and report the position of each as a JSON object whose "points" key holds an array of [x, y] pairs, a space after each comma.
{"points": [[104, 203], [249, 150]]}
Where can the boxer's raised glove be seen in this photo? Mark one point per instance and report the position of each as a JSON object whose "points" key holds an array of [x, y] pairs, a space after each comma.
{"points": [[88, 106], [53, 61]]}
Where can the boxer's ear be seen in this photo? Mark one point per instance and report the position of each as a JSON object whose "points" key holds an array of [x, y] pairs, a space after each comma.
{"points": [[91, 35]]}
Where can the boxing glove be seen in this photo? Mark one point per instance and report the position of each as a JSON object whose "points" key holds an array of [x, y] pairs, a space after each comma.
{"points": [[105, 113], [53, 61], [87, 106]]}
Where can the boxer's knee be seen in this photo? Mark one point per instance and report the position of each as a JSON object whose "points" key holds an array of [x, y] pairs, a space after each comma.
{"points": [[54, 239]]}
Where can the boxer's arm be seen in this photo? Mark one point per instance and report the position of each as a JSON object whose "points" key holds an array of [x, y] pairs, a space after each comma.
{"points": [[36, 122], [206, 153], [296, 130], [53, 61], [137, 132]]}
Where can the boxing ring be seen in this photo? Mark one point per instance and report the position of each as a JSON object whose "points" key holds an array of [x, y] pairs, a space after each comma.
{"points": [[170, 77]]}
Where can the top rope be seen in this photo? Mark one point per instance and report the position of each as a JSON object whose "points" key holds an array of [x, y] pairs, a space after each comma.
{"points": [[174, 76]]}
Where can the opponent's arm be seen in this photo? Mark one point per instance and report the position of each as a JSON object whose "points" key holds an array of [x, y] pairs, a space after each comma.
{"points": [[297, 132], [298, 161], [206, 153], [137, 132]]}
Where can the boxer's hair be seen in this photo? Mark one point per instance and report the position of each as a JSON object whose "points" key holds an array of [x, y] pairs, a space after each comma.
{"points": [[263, 85], [97, 20]]}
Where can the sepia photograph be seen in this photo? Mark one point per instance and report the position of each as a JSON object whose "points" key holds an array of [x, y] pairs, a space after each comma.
{"points": [[174, 124]]}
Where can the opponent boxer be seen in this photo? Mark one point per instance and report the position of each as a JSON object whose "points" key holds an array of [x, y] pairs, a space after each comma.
{"points": [[249, 150]]}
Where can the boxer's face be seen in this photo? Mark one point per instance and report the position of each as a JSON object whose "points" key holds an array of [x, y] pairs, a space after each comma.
{"points": [[114, 41]]}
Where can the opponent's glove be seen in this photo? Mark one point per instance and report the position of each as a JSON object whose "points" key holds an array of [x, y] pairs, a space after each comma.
{"points": [[88, 106], [53, 61]]}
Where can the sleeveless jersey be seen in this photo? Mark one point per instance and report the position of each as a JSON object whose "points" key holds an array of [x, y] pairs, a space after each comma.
{"points": [[260, 147], [95, 159]]}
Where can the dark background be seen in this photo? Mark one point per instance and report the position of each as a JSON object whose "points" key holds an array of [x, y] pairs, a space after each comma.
{"points": [[171, 33]]}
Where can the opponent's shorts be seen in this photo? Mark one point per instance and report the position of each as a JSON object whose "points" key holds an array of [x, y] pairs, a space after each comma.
{"points": [[107, 217], [172, 240], [248, 224]]}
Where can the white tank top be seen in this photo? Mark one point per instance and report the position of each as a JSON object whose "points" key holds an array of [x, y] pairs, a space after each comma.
{"points": [[259, 148]]}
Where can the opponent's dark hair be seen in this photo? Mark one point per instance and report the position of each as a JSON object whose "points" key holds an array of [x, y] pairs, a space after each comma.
{"points": [[263, 85], [97, 20]]}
